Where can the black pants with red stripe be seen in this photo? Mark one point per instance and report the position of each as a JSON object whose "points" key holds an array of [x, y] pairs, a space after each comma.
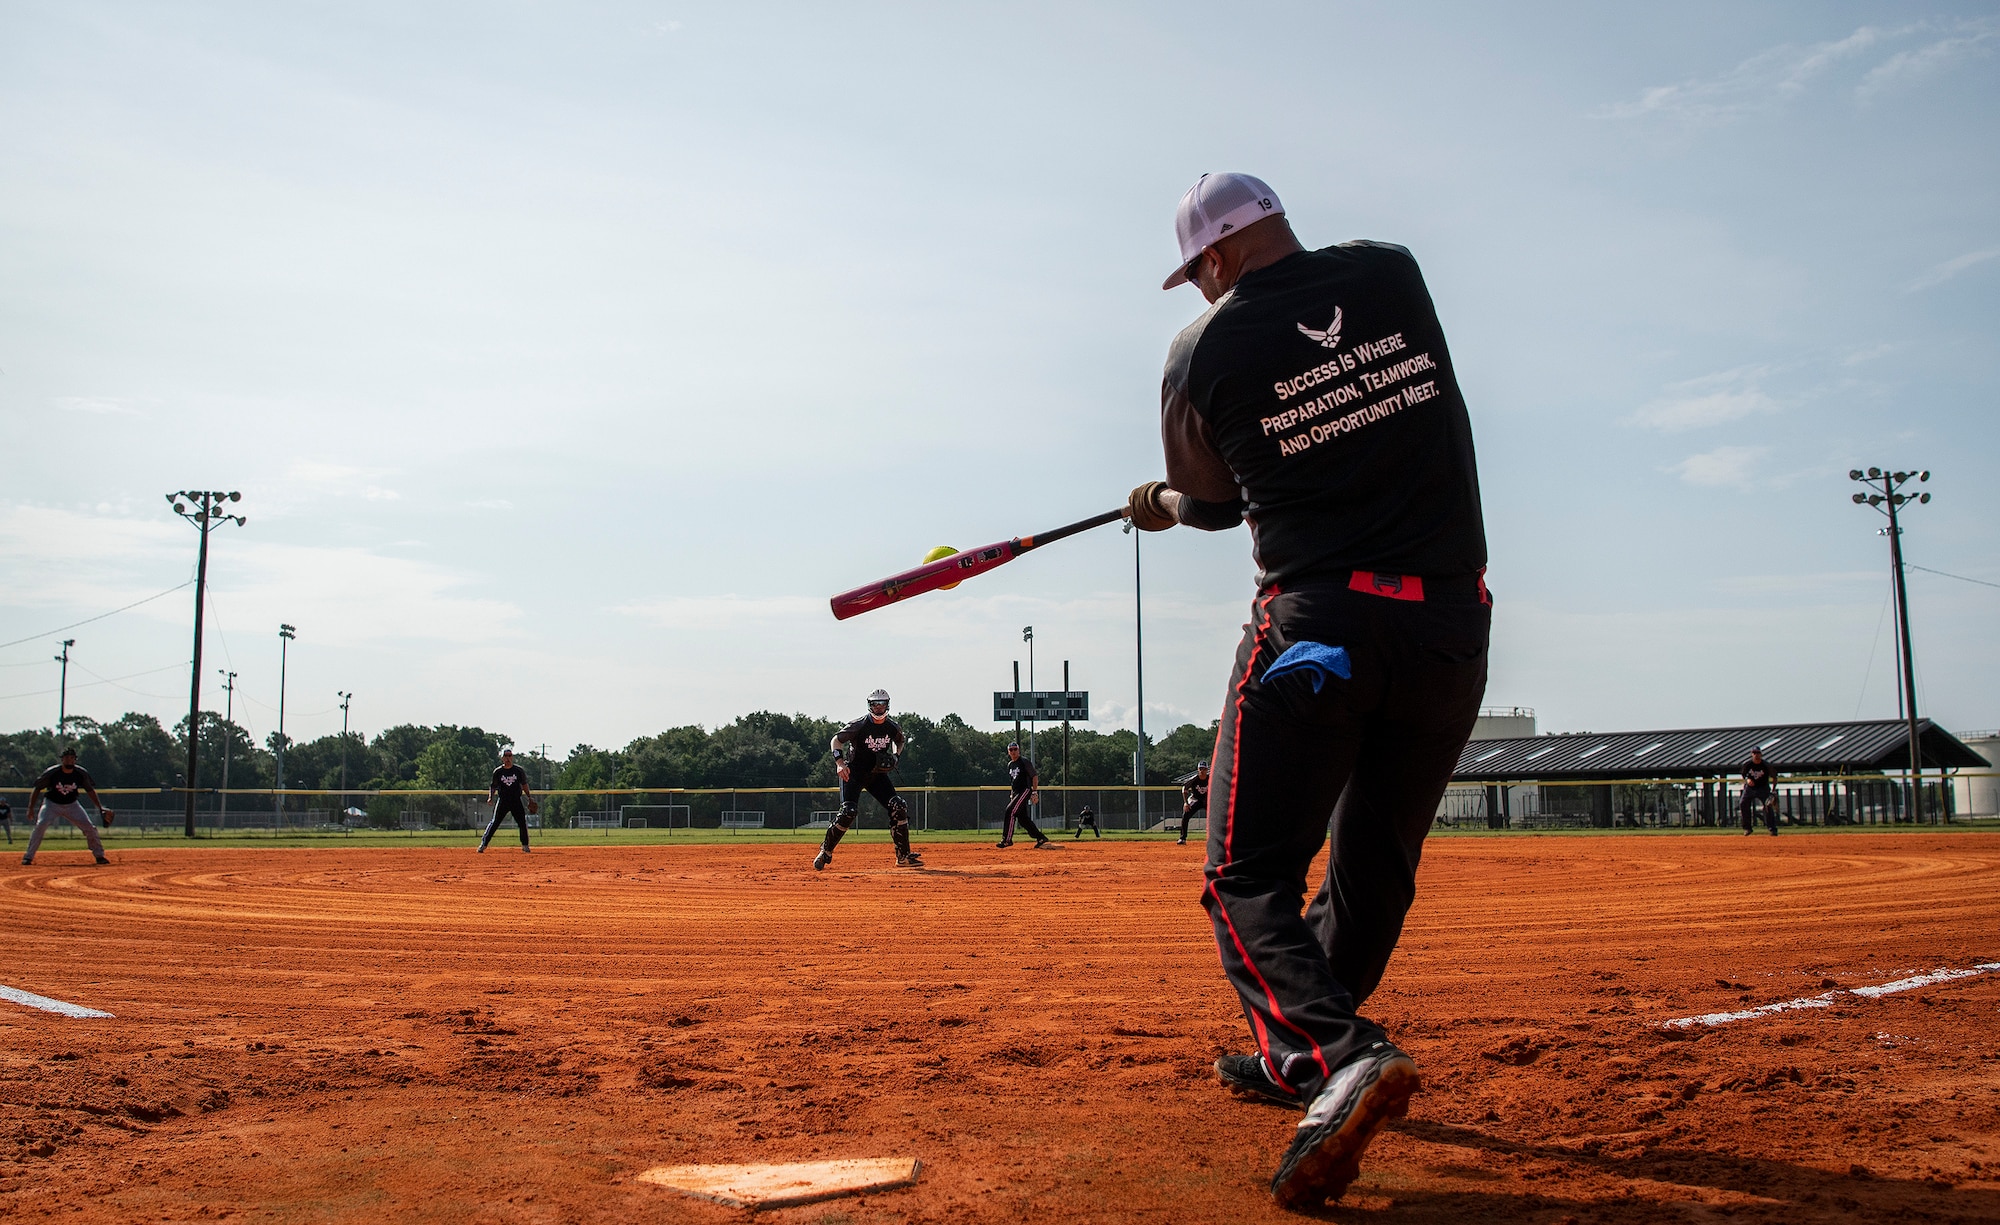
{"points": [[1365, 760], [1019, 809]]}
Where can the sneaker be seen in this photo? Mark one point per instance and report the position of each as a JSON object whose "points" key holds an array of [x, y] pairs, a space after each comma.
{"points": [[1180, 842], [27, 862], [482, 848], [911, 860], [822, 859], [1043, 844], [103, 862], [1363, 1094], [1246, 1076], [1003, 844], [524, 850]]}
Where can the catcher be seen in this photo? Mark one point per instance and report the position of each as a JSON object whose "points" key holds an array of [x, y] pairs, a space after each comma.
{"points": [[61, 784], [509, 793]]}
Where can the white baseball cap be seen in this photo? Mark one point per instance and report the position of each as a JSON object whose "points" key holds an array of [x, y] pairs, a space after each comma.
{"points": [[1217, 206]]}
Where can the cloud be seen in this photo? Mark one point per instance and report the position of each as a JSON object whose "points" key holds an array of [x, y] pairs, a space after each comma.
{"points": [[1951, 268], [107, 406], [1972, 39], [723, 611], [1761, 82], [1724, 466], [93, 562], [1713, 399]]}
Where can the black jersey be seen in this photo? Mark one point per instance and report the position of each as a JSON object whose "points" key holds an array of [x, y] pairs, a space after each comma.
{"points": [[508, 781], [870, 745], [1316, 400], [63, 788], [1757, 775], [1021, 773], [1194, 794], [6, 811]]}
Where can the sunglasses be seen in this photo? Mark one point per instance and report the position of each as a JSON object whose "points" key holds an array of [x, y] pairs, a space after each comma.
{"points": [[1192, 264]]}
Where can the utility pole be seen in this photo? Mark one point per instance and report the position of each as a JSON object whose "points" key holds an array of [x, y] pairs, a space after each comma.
{"points": [[1028, 636], [1890, 501], [345, 698], [62, 702], [1139, 668], [285, 635], [203, 508], [543, 749], [228, 735]]}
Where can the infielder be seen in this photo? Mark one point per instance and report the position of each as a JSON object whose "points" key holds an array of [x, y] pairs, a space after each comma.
{"points": [[61, 783], [507, 793], [1315, 400], [1089, 818], [1020, 806], [7, 819], [1194, 800], [864, 752]]}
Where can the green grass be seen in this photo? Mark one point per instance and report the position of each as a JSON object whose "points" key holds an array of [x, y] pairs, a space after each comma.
{"points": [[67, 839]]}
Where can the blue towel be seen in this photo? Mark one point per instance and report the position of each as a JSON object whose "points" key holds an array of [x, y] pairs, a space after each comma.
{"points": [[1314, 658]]}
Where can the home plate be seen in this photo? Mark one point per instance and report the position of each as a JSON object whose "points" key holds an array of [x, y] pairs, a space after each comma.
{"points": [[781, 1184]]}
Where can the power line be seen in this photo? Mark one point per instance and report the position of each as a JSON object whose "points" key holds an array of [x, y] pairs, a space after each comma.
{"points": [[7, 697], [1960, 577], [99, 617]]}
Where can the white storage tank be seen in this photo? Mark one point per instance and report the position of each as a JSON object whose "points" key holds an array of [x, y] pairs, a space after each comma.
{"points": [[1975, 796]]}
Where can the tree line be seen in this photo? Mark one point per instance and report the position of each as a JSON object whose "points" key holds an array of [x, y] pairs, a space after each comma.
{"points": [[763, 749]]}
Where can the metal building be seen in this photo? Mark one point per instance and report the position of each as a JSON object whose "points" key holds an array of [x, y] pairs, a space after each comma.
{"points": [[1833, 773]]}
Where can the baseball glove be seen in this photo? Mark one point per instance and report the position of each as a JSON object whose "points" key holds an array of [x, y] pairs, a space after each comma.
{"points": [[534, 806], [107, 816]]}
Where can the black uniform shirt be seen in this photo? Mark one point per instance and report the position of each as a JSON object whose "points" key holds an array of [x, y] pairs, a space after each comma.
{"points": [[64, 788], [1757, 775], [508, 780], [1021, 773], [6, 811], [1316, 400], [1194, 794], [870, 745]]}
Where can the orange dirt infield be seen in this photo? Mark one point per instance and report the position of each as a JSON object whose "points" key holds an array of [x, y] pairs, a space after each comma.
{"points": [[365, 1035]]}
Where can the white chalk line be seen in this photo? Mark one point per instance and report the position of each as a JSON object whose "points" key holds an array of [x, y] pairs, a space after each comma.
{"points": [[46, 1004], [1827, 999]]}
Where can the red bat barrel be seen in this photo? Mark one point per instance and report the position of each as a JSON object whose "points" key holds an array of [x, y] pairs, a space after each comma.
{"points": [[927, 577]]}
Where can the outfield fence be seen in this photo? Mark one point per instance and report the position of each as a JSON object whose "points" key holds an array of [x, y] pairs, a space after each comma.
{"points": [[1832, 800]]}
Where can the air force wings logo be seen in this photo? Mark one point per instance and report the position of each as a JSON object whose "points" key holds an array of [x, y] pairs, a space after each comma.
{"points": [[1330, 338]]}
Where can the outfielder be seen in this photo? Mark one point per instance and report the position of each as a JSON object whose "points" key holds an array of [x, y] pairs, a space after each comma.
{"points": [[1757, 776], [864, 752], [1194, 800], [61, 783], [1020, 806], [1315, 400], [507, 793]]}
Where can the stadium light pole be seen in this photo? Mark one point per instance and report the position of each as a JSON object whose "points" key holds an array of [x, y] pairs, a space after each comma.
{"points": [[1889, 502], [1028, 636], [345, 698], [285, 635], [228, 722], [203, 508], [62, 701]]}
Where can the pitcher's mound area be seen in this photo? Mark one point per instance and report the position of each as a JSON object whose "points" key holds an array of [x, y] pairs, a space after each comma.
{"points": [[388, 1035]]}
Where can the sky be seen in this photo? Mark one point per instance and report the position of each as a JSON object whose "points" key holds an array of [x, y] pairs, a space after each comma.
{"points": [[569, 356]]}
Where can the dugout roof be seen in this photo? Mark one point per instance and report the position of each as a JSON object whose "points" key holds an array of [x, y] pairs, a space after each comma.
{"points": [[1793, 748]]}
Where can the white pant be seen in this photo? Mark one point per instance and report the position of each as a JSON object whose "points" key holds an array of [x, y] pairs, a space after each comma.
{"points": [[74, 814]]}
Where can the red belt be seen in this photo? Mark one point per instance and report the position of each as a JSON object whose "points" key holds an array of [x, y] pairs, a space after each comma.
{"points": [[1401, 586]]}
